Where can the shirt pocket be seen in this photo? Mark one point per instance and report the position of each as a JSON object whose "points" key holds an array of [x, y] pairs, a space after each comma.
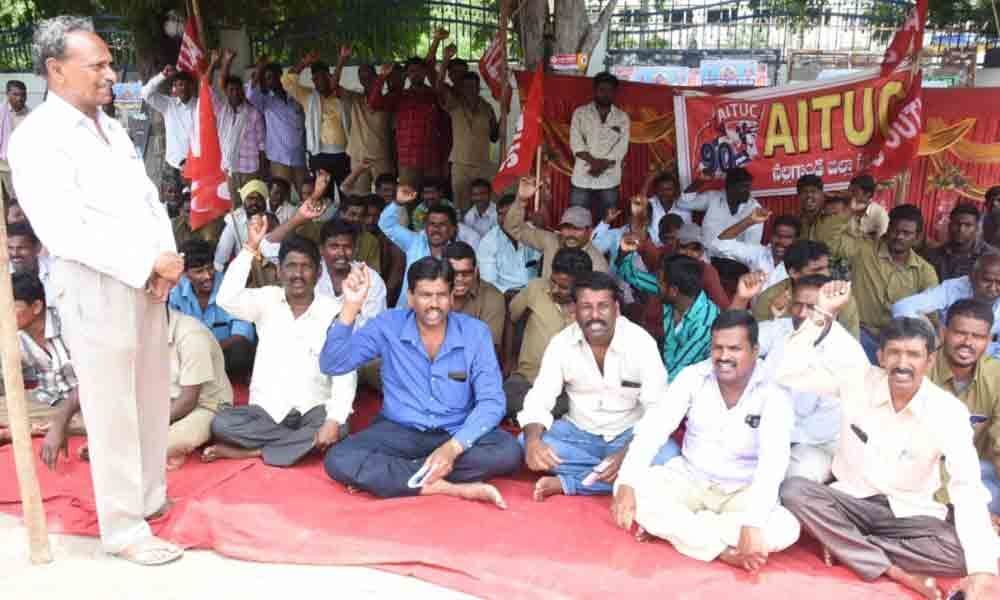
{"points": [[621, 398]]}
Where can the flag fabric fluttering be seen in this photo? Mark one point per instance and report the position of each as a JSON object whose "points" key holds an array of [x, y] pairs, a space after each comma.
{"points": [[192, 54], [203, 167], [526, 139]]}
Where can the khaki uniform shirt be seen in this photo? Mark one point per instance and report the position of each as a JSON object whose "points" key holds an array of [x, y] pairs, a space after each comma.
{"points": [[331, 129], [761, 309], [546, 320], [367, 248], [981, 397], [546, 242], [487, 304], [369, 135], [196, 359], [470, 130]]}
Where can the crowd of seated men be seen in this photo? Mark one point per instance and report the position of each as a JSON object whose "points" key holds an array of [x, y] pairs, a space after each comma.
{"points": [[841, 380]]}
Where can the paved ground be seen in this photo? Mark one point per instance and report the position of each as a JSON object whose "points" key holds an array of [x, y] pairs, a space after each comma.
{"points": [[81, 571]]}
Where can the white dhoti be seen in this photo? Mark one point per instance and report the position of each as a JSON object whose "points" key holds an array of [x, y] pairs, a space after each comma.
{"points": [[117, 338], [701, 519], [812, 461]]}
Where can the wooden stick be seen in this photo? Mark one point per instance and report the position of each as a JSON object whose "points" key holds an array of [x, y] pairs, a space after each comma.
{"points": [[504, 9], [196, 10], [538, 174], [17, 412]]}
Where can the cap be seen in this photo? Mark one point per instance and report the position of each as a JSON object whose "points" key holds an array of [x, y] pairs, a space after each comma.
{"points": [[254, 185], [689, 233], [578, 217]]}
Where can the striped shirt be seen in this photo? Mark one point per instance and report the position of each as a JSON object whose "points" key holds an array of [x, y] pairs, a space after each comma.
{"points": [[687, 342], [49, 367]]}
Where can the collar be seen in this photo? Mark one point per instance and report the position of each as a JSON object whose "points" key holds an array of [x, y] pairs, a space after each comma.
{"points": [[174, 317], [618, 342], [917, 405], [474, 288], [61, 110], [757, 378], [453, 332], [187, 288], [941, 373], [912, 260], [53, 325]]}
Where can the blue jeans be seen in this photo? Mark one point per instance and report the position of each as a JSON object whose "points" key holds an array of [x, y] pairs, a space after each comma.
{"points": [[590, 199], [869, 343], [581, 452], [992, 482]]}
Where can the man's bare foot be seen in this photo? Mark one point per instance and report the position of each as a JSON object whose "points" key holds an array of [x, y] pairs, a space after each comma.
{"points": [[828, 558], [545, 487], [217, 451], [732, 557], [151, 551], [176, 457], [925, 586], [641, 535], [162, 511], [477, 492]]}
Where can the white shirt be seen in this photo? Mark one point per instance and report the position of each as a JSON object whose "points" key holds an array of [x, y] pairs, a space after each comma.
{"points": [[817, 416], [732, 448], [602, 139], [286, 371], [89, 200], [44, 269], [481, 223], [718, 218], [468, 235], [754, 256], [602, 404], [503, 264], [177, 117], [659, 213], [233, 236], [902, 453]]}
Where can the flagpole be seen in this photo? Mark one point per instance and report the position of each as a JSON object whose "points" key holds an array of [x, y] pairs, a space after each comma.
{"points": [[17, 412], [505, 89], [196, 11], [538, 174]]}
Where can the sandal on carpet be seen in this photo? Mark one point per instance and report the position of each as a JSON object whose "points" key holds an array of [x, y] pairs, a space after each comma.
{"points": [[162, 511], [151, 551]]}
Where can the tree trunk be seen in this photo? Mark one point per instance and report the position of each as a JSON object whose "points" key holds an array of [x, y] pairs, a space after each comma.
{"points": [[573, 32], [531, 24]]}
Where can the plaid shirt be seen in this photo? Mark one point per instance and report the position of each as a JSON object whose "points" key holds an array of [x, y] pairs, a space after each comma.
{"points": [[419, 135], [50, 367], [247, 159]]}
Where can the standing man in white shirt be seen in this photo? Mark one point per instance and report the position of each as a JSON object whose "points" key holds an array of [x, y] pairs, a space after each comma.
{"points": [[86, 193], [719, 498], [880, 516], [294, 408], [599, 138], [178, 110], [611, 371], [12, 114]]}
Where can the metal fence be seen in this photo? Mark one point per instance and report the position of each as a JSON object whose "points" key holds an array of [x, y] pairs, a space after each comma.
{"points": [[15, 45]]}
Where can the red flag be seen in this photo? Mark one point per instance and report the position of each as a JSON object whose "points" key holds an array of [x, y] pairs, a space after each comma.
{"points": [[209, 188], [908, 40], [526, 138], [492, 67], [192, 55]]}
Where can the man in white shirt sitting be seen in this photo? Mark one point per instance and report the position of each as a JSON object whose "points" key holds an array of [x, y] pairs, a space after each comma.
{"points": [[817, 416], [719, 499], [725, 208], [294, 407], [599, 138], [178, 110], [483, 215], [897, 429], [611, 371], [254, 195], [770, 258]]}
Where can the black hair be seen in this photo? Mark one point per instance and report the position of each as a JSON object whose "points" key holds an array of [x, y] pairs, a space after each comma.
{"points": [[432, 182], [460, 251], [28, 288], [672, 220], [682, 272], [738, 175], [336, 227], [836, 199], [572, 261], [802, 252], [597, 281], [865, 182], [788, 221], [385, 178], [182, 76], [809, 180], [415, 60], [443, 209], [18, 84], [973, 309], [811, 281], [506, 200], [297, 243], [197, 254], [667, 176], [907, 212], [470, 76], [459, 62], [234, 80], [729, 319], [319, 67], [22, 230], [374, 200], [965, 208], [348, 201], [283, 183], [480, 183], [429, 268], [605, 77], [908, 328]]}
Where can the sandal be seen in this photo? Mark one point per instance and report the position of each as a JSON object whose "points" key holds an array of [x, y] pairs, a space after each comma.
{"points": [[162, 511], [151, 551]]}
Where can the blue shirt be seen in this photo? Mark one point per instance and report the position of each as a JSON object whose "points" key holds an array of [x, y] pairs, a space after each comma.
{"points": [[414, 244], [460, 391], [284, 126], [221, 323], [940, 298], [503, 265]]}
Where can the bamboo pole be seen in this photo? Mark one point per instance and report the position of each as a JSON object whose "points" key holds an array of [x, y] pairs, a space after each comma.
{"points": [[505, 90], [196, 11], [538, 175], [17, 412]]}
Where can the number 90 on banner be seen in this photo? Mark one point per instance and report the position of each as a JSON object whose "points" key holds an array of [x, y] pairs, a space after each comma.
{"points": [[717, 156]]}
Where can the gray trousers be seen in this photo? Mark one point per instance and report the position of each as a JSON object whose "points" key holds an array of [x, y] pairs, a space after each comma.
{"points": [[863, 533], [282, 444], [516, 388]]}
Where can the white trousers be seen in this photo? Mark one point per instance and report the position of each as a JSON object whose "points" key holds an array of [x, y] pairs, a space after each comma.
{"points": [[117, 338], [700, 519], [812, 462]]}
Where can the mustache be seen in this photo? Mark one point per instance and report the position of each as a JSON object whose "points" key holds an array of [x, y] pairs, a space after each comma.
{"points": [[594, 322], [725, 363], [969, 348], [902, 371]]}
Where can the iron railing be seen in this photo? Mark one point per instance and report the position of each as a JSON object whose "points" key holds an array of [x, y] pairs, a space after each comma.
{"points": [[15, 45]]}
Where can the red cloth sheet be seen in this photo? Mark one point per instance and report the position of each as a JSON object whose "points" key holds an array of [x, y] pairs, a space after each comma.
{"points": [[566, 547]]}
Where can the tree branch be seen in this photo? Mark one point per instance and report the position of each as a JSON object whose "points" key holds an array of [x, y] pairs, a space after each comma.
{"points": [[594, 32]]}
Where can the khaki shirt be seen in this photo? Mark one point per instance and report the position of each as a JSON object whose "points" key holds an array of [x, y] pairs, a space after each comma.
{"points": [[367, 248], [487, 304], [331, 129], [369, 135], [877, 281], [761, 309], [470, 130], [982, 398], [196, 359], [545, 320], [546, 242]]}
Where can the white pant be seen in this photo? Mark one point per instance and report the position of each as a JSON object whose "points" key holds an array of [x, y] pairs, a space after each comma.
{"points": [[117, 339], [700, 519], [812, 462]]}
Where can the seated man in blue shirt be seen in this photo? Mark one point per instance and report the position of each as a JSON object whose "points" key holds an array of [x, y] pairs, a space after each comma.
{"points": [[195, 296], [436, 434]]}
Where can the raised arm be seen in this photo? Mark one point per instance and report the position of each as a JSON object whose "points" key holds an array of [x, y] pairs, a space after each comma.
{"points": [[376, 99], [227, 63], [233, 295], [514, 222], [338, 71], [758, 216], [151, 94], [345, 349], [640, 280], [291, 82], [444, 93], [312, 208], [388, 221], [439, 36]]}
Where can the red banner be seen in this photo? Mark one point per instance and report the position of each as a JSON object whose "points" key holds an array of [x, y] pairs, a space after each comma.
{"points": [[837, 128], [526, 138], [192, 56], [492, 66], [209, 188]]}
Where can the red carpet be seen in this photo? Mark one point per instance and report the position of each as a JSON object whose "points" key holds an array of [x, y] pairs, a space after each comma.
{"points": [[562, 548]]}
